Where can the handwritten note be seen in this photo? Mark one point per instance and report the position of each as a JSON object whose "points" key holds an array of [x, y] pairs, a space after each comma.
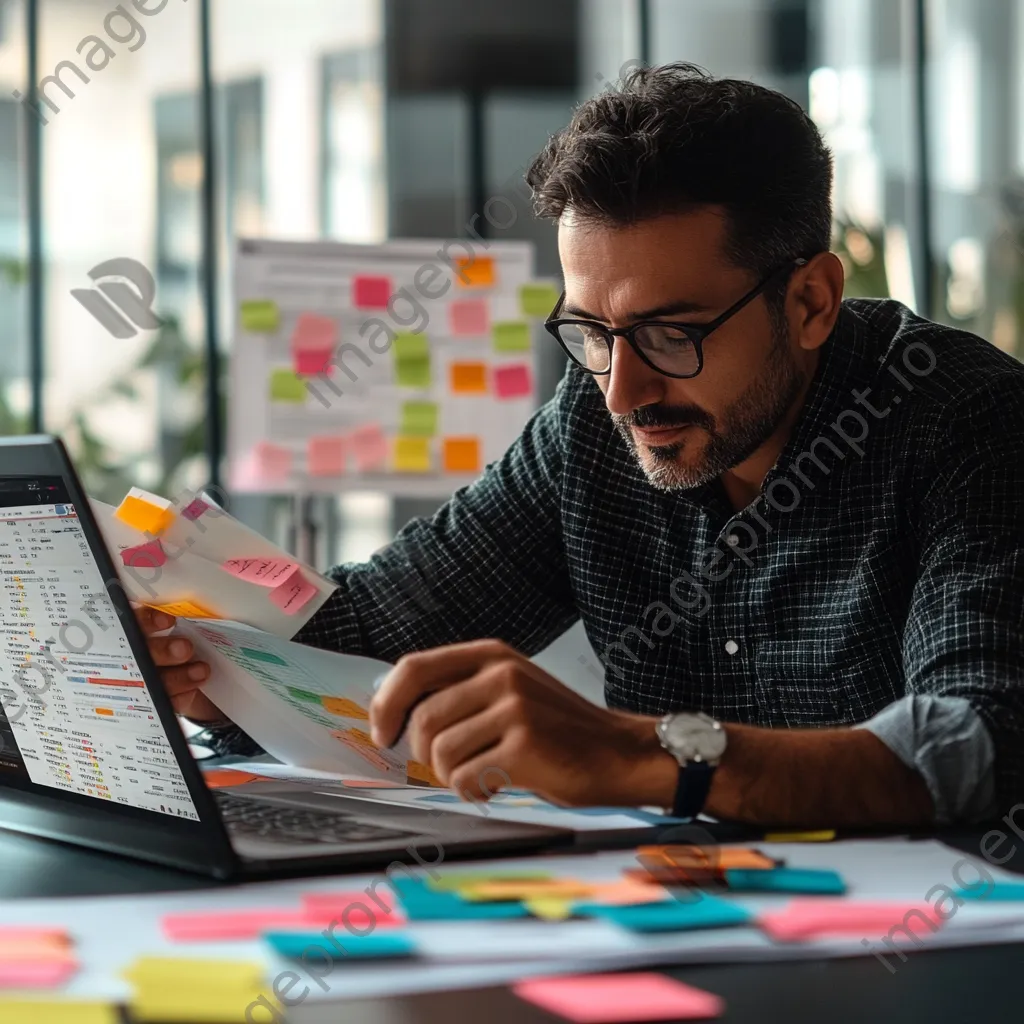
{"points": [[370, 291], [468, 378], [325, 456], [267, 572], [294, 593], [462, 455], [513, 381], [469, 318]]}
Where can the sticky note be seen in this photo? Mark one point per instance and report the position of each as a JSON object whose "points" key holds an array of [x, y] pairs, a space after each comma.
{"points": [[325, 456], [21, 1010], [225, 778], [1004, 892], [412, 360], [369, 447], [148, 555], [231, 925], [48, 973], [721, 857], [538, 298], [194, 509], [549, 908], [513, 381], [614, 998], [469, 318], [420, 903], [145, 512], [551, 888], [456, 881], [825, 835], [313, 341], [260, 316], [185, 610], [267, 572], [814, 916], [419, 419], [468, 378], [628, 894], [271, 462], [352, 902], [293, 945], [344, 707], [287, 386], [310, 361], [416, 771], [802, 880], [412, 455], [294, 593], [58, 937], [370, 291], [462, 455], [474, 272], [705, 911], [511, 336]]}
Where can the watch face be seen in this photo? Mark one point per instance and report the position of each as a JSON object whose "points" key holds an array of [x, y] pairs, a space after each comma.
{"points": [[693, 737]]}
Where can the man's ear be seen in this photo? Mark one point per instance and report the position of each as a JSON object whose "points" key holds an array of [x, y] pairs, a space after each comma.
{"points": [[815, 295]]}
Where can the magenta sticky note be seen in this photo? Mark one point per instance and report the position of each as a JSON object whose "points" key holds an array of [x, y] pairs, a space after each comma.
{"points": [[145, 556], [313, 331], [469, 317], [816, 916], [614, 998], [369, 447], [48, 973], [227, 926], [267, 572], [325, 456], [310, 361], [194, 509], [293, 593], [513, 381], [370, 292], [271, 462]]}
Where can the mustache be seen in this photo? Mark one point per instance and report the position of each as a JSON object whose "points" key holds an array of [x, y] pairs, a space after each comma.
{"points": [[654, 416]]}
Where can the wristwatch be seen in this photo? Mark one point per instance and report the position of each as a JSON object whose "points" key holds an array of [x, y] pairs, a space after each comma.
{"points": [[697, 742]]}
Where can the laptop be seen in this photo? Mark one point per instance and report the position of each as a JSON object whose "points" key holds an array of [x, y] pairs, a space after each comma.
{"points": [[92, 753]]}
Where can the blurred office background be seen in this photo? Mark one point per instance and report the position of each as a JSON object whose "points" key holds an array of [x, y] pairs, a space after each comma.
{"points": [[357, 120]]}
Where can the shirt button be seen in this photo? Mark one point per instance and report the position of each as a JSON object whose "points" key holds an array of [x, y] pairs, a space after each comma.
{"points": [[732, 540], [731, 647]]}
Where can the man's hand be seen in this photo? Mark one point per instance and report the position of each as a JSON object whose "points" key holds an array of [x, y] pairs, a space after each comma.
{"points": [[181, 676], [485, 715]]}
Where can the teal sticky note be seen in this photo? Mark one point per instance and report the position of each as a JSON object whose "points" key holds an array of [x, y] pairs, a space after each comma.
{"points": [[260, 316], [1000, 892], [286, 386], [419, 419], [511, 336], [421, 903], [378, 944], [703, 911], [813, 881], [538, 298]]}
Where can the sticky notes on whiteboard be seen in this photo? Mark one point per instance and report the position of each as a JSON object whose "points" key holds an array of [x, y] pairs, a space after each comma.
{"points": [[462, 455], [287, 386], [312, 343], [475, 272], [325, 456], [511, 336], [412, 455], [412, 360], [513, 381], [370, 291], [145, 512], [294, 593], [468, 378], [270, 463], [267, 572], [419, 419], [147, 556], [260, 316], [369, 447], [538, 298], [469, 317]]}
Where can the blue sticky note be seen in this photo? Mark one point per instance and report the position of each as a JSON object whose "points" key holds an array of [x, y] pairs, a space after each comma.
{"points": [[293, 945], [816, 881], [671, 915], [1006, 892], [422, 903]]}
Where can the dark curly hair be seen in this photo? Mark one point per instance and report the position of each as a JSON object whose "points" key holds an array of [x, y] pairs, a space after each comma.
{"points": [[672, 138]]}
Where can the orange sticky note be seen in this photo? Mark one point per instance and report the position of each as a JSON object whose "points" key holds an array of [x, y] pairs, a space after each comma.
{"points": [[344, 707], [468, 378], [145, 512], [325, 456], [225, 778], [462, 455], [185, 610], [416, 771], [475, 271]]}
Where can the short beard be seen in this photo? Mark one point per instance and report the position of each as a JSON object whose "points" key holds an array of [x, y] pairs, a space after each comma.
{"points": [[745, 426]]}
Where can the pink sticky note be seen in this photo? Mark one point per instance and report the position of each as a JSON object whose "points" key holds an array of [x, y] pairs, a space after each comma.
{"points": [[227, 926], [513, 381], [194, 509], [325, 456], [270, 462], [813, 917], [145, 556], [38, 974], [314, 332], [468, 317], [309, 361], [359, 909], [34, 934], [370, 292], [611, 998], [369, 447], [267, 572], [293, 593]]}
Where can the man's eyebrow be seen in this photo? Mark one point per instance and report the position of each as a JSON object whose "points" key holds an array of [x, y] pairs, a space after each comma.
{"points": [[670, 309]]}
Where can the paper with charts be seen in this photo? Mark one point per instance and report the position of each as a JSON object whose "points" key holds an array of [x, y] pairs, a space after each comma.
{"points": [[303, 705], [404, 367], [191, 558]]}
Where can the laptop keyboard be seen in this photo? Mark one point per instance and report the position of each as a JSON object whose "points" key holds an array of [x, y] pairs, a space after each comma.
{"points": [[277, 823]]}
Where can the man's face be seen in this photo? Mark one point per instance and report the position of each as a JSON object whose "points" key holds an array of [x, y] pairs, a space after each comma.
{"points": [[671, 268]]}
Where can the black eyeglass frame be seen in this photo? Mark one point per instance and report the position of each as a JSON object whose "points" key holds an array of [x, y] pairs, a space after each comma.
{"points": [[696, 333]]}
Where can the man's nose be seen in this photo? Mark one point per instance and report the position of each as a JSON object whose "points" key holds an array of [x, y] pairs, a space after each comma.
{"points": [[631, 383]]}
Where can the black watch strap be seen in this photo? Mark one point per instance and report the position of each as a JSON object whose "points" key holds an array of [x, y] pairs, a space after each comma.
{"points": [[692, 788]]}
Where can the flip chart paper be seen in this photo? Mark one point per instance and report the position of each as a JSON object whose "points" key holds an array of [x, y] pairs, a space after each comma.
{"points": [[369, 447], [468, 378], [801, 880], [295, 945], [419, 419], [513, 381], [267, 572], [469, 318], [325, 456], [538, 298], [185, 610], [511, 336], [57, 1011], [614, 998], [293, 593], [462, 455], [260, 316], [370, 291], [149, 555], [813, 917], [287, 386], [145, 512], [475, 272], [412, 454]]}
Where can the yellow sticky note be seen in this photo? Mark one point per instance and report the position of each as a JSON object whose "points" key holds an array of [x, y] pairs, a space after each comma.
{"points": [[456, 881], [550, 909], [554, 888], [144, 514], [209, 974], [53, 1011], [824, 835], [475, 271], [185, 610], [287, 386], [412, 454], [184, 1005], [468, 378], [462, 454], [416, 771], [344, 708]]}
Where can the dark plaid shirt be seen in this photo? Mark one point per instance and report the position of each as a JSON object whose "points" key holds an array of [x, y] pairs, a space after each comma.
{"points": [[881, 568]]}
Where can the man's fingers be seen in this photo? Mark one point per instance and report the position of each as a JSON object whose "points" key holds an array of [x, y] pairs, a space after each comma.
{"points": [[441, 710], [185, 679], [466, 739], [170, 650], [153, 621]]}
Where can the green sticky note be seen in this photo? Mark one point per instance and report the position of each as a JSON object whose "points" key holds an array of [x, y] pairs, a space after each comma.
{"points": [[512, 336], [419, 419], [414, 374], [411, 347], [300, 694], [287, 386], [266, 656], [537, 299], [260, 316]]}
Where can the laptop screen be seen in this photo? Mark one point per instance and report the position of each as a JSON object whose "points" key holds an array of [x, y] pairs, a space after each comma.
{"points": [[75, 713]]}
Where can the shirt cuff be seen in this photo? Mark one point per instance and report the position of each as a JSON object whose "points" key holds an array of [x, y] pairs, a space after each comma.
{"points": [[945, 740]]}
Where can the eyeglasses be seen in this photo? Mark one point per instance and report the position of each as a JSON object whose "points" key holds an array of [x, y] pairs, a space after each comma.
{"points": [[674, 349]]}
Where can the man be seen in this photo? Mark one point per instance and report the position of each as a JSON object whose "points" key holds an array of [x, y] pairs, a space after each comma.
{"points": [[800, 516]]}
